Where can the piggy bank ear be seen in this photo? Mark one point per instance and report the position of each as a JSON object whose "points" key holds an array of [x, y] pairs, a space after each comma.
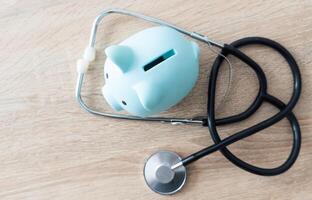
{"points": [[195, 49], [121, 56], [149, 94]]}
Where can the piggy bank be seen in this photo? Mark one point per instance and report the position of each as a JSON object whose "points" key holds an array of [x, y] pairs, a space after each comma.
{"points": [[150, 71]]}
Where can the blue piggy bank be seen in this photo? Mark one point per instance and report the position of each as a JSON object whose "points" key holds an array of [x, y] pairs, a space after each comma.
{"points": [[150, 71]]}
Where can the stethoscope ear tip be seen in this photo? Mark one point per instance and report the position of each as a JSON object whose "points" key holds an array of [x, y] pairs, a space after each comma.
{"points": [[161, 176]]}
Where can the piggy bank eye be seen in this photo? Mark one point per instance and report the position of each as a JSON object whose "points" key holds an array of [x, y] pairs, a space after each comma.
{"points": [[106, 75], [123, 102]]}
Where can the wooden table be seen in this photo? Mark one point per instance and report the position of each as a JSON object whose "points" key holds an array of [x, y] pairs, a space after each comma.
{"points": [[51, 149]]}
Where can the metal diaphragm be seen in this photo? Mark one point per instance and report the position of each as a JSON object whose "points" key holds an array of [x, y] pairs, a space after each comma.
{"points": [[160, 177]]}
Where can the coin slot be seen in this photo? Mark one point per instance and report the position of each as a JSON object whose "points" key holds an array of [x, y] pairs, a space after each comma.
{"points": [[159, 60]]}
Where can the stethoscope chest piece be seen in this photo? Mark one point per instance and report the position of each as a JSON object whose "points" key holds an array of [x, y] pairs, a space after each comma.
{"points": [[160, 176]]}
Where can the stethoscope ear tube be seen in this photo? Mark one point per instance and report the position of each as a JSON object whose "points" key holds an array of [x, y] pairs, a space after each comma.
{"points": [[90, 53], [285, 109]]}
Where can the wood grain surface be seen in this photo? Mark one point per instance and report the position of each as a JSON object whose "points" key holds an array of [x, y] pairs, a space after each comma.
{"points": [[51, 149]]}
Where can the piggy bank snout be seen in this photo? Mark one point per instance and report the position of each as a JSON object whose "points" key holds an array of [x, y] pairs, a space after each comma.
{"points": [[109, 97]]}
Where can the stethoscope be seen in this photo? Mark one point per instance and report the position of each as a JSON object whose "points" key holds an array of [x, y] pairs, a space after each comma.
{"points": [[165, 171]]}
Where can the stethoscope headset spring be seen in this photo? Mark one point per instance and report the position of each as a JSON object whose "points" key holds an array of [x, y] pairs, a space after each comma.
{"points": [[175, 172]]}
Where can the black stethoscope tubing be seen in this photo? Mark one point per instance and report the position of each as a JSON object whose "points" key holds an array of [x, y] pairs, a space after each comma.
{"points": [[285, 110]]}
